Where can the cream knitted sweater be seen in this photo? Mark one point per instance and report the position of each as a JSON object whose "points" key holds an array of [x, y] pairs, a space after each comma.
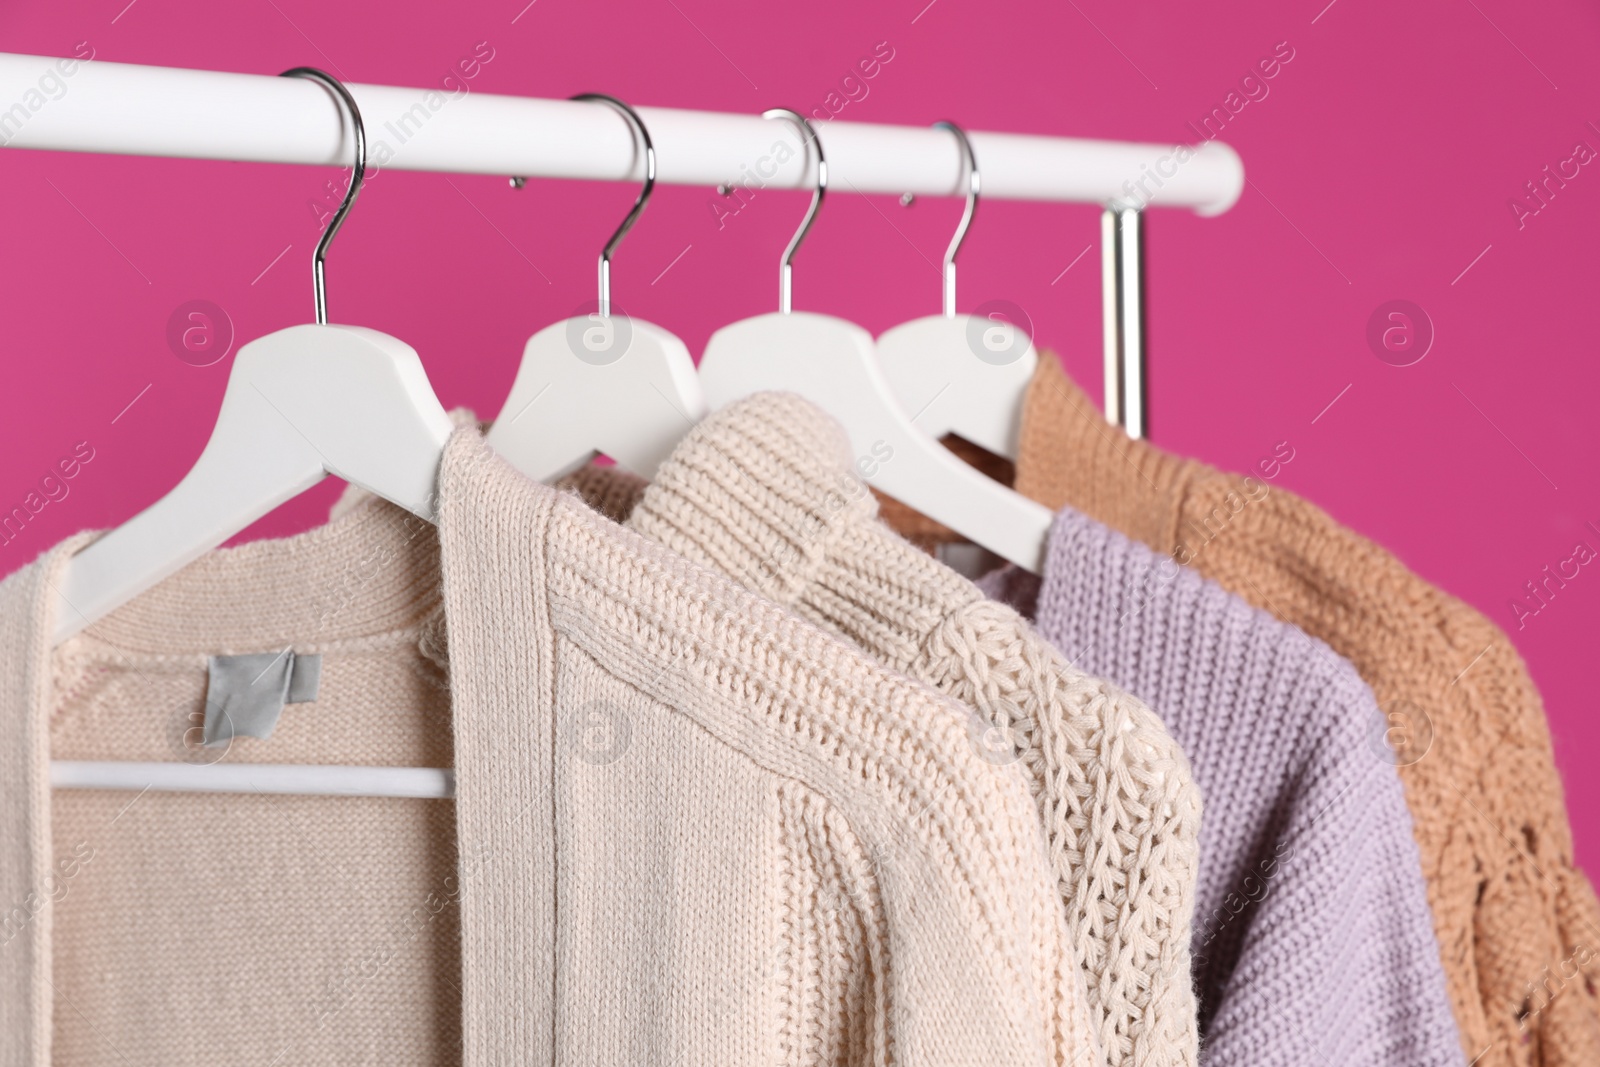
{"points": [[689, 827], [765, 492]]}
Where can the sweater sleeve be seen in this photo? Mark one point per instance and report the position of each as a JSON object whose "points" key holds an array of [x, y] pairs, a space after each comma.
{"points": [[1312, 939]]}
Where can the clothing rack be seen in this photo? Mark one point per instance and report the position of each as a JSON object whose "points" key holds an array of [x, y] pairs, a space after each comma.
{"points": [[75, 105]]}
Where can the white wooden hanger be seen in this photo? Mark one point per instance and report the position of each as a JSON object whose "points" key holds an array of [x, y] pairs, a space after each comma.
{"points": [[963, 374], [301, 403], [601, 383], [833, 363]]}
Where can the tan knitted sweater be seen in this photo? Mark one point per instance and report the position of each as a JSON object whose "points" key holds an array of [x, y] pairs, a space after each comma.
{"points": [[765, 492], [689, 827], [1518, 924]]}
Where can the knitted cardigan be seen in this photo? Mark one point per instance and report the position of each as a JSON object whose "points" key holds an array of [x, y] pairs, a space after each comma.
{"points": [[1518, 925], [1312, 942], [765, 492], [690, 828]]}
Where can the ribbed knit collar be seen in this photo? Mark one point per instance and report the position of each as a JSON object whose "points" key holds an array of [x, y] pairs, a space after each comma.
{"points": [[1069, 454], [767, 492]]}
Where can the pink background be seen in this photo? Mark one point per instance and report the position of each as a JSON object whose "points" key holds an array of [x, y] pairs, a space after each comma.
{"points": [[1380, 163]]}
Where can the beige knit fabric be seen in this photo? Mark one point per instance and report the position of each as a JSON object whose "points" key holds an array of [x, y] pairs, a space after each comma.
{"points": [[764, 491], [200, 928], [690, 828]]}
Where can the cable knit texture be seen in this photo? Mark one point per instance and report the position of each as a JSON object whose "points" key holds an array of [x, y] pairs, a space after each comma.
{"points": [[1312, 942], [1518, 924], [689, 826], [765, 491]]}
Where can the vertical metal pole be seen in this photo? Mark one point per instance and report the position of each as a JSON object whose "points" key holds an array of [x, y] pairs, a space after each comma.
{"points": [[1135, 390], [1122, 312], [1110, 308]]}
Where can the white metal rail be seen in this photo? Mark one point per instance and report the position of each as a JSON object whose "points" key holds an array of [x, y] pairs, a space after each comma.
{"points": [[95, 106], [164, 111]]}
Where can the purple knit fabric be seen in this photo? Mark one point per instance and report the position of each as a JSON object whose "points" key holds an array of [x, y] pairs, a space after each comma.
{"points": [[1313, 943]]}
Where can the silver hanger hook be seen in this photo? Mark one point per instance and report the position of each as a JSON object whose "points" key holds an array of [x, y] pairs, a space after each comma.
{"points": [[785, 267], [969, 163], [358, 174], [643, 136]]}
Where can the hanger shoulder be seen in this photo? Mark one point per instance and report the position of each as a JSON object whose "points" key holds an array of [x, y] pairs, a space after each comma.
{"points": [[801, 346], [623, 387], [300, 403], [362, 399], [253, 462], [833, 364], [963, 374], [984, 511]]}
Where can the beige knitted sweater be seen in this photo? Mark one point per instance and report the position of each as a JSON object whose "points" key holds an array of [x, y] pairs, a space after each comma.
{"points": [[765, 492], [1518, 924], [689, 827]]}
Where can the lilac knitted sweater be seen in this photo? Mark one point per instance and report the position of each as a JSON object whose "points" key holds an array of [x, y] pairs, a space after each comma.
{"points": [[1313, 943]]}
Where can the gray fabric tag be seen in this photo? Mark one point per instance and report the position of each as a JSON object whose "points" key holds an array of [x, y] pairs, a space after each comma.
{"points": [[304, 679], [246, 694]]}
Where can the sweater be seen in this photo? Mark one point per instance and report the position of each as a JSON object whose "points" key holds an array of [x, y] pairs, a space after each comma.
{"points": [[1312, 941], [688, 827], [1518, 924], [765, 491]]}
